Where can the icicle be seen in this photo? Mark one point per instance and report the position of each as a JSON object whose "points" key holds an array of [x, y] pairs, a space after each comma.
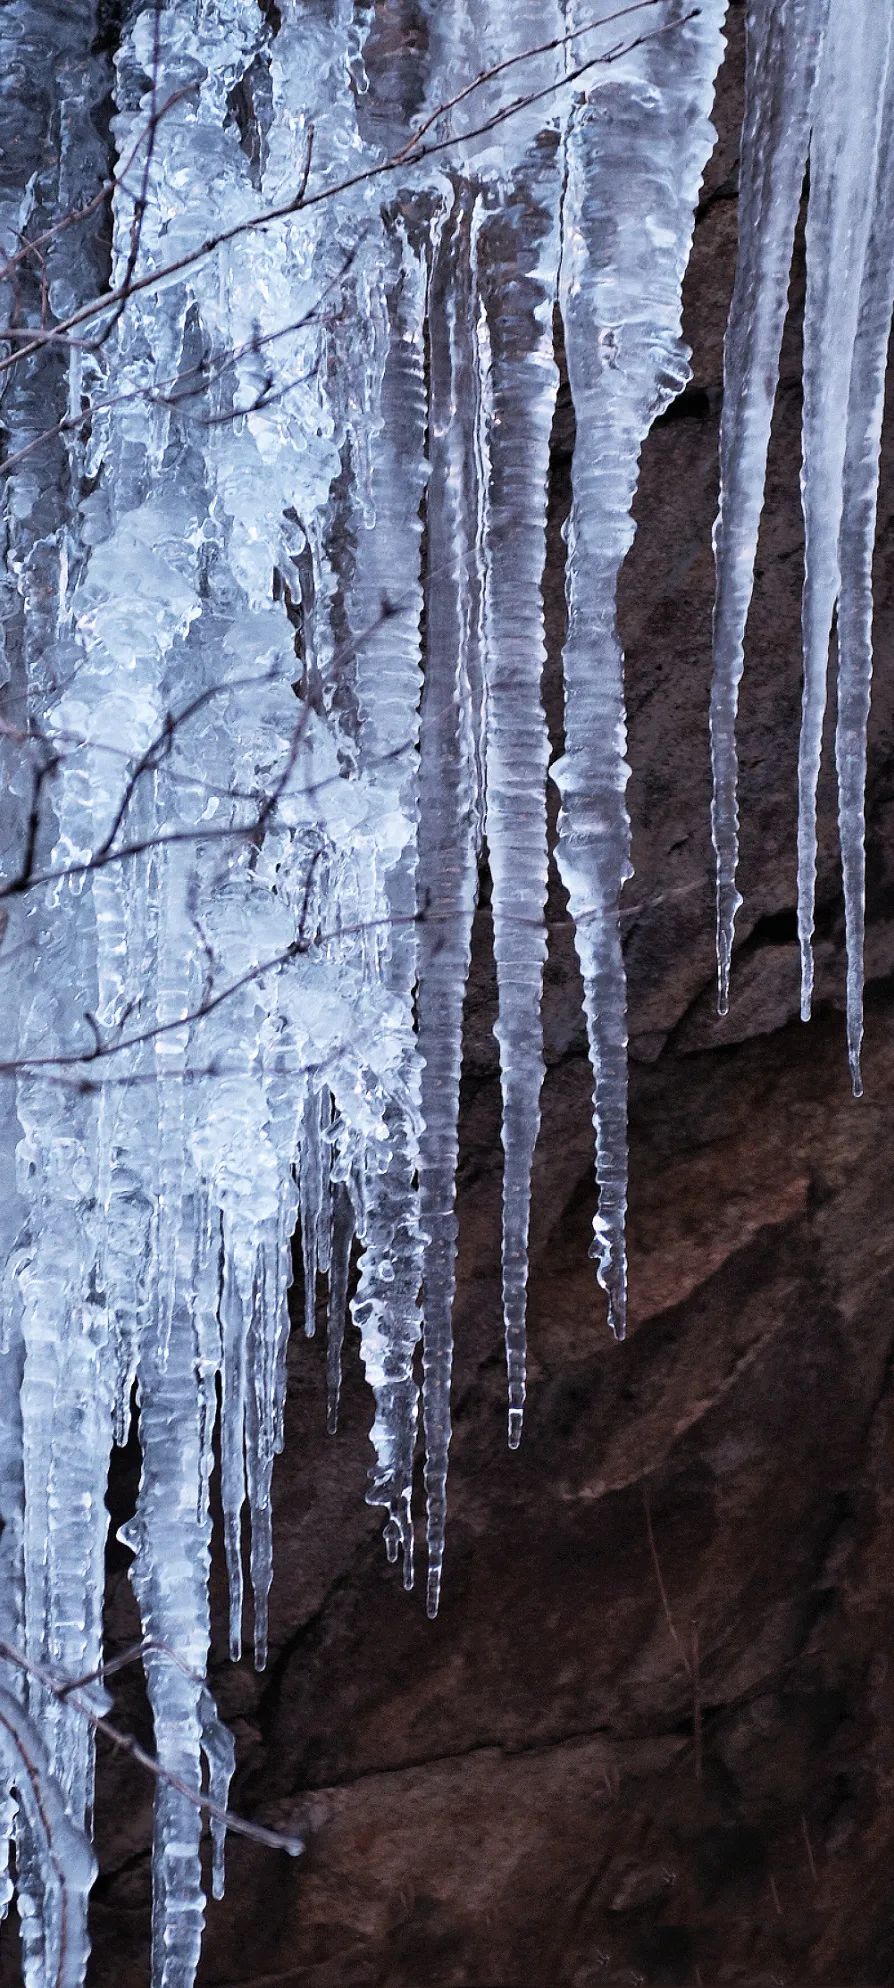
{"points": [[864, 426], [56, 1946], [171, 1540], [843, 151], [234, 1328], [784, 49], [220, 1756], [342, 1238], [324, 1231], [32, 514], [387, 611], [448, 814], [266, 1351], [518, 268], [313, 1199], [55, 1329], [12, 1501], [636, 150]]}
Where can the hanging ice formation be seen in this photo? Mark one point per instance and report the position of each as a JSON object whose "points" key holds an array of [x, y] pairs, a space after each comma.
{"points": [[274, 526], [820, 95]]}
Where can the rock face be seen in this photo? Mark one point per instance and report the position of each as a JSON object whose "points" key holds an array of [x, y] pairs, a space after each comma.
{"points": [[649, 1738]]}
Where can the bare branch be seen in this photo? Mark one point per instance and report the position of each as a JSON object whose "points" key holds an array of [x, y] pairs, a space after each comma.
{"points": [[106, 192], [511, 62], [302, 201], [69, 1691], [296, 949]]}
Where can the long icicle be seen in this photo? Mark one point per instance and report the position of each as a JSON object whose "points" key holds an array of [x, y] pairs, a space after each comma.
{"points": [[449, 808], [843, 154], [861, 463], [643, 129], [518, 264], [387, 1307], [784, 47], [57, 1303]]}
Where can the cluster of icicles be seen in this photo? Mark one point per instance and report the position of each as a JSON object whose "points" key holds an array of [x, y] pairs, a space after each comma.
{"points": [[274, 536]]}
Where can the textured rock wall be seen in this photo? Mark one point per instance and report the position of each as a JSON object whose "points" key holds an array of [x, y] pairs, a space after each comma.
{"points": [[649, 1739]]}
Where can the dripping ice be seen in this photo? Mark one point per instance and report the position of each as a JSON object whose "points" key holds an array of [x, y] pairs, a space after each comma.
{"points": [[819, 95], [636, 146], [287, 639]]}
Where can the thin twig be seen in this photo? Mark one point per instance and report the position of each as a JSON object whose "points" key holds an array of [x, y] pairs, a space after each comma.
{"points": [[12, 1720], [67, 1692], [32, 827], [809, 1849], [171, 392], [26, 878], [302, 202], [146, 1646], [650, 1534], [142, 200], [297, 948], [511, 62], [106, 192]]}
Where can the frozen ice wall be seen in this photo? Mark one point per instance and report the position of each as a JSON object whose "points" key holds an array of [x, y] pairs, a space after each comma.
{"points": [[277, 389]]}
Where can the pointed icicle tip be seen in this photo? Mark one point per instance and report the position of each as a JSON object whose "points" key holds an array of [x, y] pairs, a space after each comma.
{"points": [[728, 907], [806, 974], [617, 1313]]}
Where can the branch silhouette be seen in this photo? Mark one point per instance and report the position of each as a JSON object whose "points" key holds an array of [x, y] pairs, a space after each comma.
{"points": [[418, 153], [70, 1691]]}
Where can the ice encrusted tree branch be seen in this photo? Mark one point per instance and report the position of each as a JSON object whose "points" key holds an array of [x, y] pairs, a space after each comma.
{"points": [[277, 385]]}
